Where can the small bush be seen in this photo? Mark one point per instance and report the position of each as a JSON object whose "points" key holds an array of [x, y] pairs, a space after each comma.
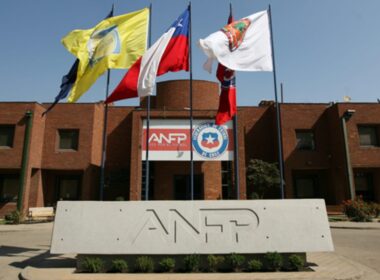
{"points": [[119, 198], [235, 261], [191, 263], [167, 265], [93, 265], [214, 262], [254, 195], [144, 264], [357, 210], [374, 209], [119, 265], [272, 261], [296, 263], [13, 218], [254, 265]]}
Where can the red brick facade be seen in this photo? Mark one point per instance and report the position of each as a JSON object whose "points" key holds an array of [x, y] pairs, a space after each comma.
{"points": [[319, 172]]}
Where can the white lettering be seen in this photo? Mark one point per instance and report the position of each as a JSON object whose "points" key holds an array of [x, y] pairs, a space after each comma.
{"points": [[159, 138]]}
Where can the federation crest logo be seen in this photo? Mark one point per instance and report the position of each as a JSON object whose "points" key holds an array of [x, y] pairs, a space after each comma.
{"points": [[235, 32], [210, 140], [102, 43]]}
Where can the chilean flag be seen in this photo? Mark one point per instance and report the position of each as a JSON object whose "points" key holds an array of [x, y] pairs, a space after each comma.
{"points": [[168, 53]]}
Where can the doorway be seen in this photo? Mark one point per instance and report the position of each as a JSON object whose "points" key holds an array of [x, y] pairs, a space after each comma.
{"points": [[182, 188]]}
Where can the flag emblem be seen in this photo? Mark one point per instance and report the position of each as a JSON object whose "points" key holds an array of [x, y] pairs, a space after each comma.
{"points": [[235, 32], [210, 140], [103, 43]]}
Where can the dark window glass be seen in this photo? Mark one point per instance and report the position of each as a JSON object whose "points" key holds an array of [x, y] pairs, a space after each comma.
{"points": [[226, 179], [151, 180], [9, 185], [305, 140], [182, 188], [306, 187], [368, 136], [364, 185], [68, 139], [68, 188], [6, 135]]}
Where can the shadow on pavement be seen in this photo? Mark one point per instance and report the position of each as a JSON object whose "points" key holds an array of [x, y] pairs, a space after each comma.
{"points": [[8, 251], [42, 260]]}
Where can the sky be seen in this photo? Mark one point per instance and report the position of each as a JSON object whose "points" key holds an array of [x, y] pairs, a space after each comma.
{"points": [[324, 49]]}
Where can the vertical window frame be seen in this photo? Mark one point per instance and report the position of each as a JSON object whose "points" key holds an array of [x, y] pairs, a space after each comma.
{"points": [[12, 127], [59, 139], [304, 131], [375, 129], [4, 177]]}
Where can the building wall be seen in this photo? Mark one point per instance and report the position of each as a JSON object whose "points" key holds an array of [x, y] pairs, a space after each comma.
{"points": [[257, 139]]}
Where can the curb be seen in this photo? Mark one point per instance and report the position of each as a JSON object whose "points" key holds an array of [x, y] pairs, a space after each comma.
{"points": [[358, 228], [30, 273]]}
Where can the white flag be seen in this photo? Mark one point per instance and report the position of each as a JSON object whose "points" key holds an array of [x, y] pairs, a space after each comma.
{"points": [[243, 45]]}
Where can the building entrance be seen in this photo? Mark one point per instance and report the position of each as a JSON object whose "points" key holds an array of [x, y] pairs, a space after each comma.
{"points": [[182, 187]]}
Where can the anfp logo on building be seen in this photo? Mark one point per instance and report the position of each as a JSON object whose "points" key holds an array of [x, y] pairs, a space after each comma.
{"points": [[171, 140], [210, 140]]}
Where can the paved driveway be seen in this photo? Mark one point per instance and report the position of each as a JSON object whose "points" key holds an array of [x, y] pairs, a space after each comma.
{"points": [[360, 245], [24, 245]]}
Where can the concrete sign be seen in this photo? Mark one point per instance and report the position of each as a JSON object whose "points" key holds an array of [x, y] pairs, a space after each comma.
{"points": [[187, 227], [170, 140]]}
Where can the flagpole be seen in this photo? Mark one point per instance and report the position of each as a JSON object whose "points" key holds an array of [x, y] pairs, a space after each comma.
{"points": [[279, 134], [148, 118], [236, 151], [191, 110], [104, 145]]}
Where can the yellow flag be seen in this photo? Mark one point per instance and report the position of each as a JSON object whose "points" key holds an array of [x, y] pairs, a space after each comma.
{"points": [[116, 42]]}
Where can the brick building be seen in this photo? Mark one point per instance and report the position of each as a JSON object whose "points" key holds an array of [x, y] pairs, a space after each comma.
{"points": [[63, 155]]}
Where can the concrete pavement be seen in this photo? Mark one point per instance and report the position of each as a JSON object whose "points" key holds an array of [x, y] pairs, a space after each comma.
{"points": [[25, 248], [326, 266]]}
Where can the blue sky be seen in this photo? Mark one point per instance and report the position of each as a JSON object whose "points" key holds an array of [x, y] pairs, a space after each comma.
{"points": [[324, 49]]}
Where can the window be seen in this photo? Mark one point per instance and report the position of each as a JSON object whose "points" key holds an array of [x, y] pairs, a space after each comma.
{"points": [[368, 136], [364, 185], [68, 139], [305, 140], [151, 180], [68, 187], [6, 135], [9, 185], [226, 179]]}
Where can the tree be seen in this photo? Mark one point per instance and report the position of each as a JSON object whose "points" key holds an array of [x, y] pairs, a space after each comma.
{"points": [[262, 176]]}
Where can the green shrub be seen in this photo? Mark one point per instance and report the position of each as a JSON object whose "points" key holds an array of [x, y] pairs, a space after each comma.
{"points": [[13, 218], [296, 262], [167, 265], [357, 210], [119, 265], [119, 198], [254, 195], [254, 265], [191, 263], [374, 209], [93, 265], [235, 262], [272, 261], [214, 262], [144, 264]]}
